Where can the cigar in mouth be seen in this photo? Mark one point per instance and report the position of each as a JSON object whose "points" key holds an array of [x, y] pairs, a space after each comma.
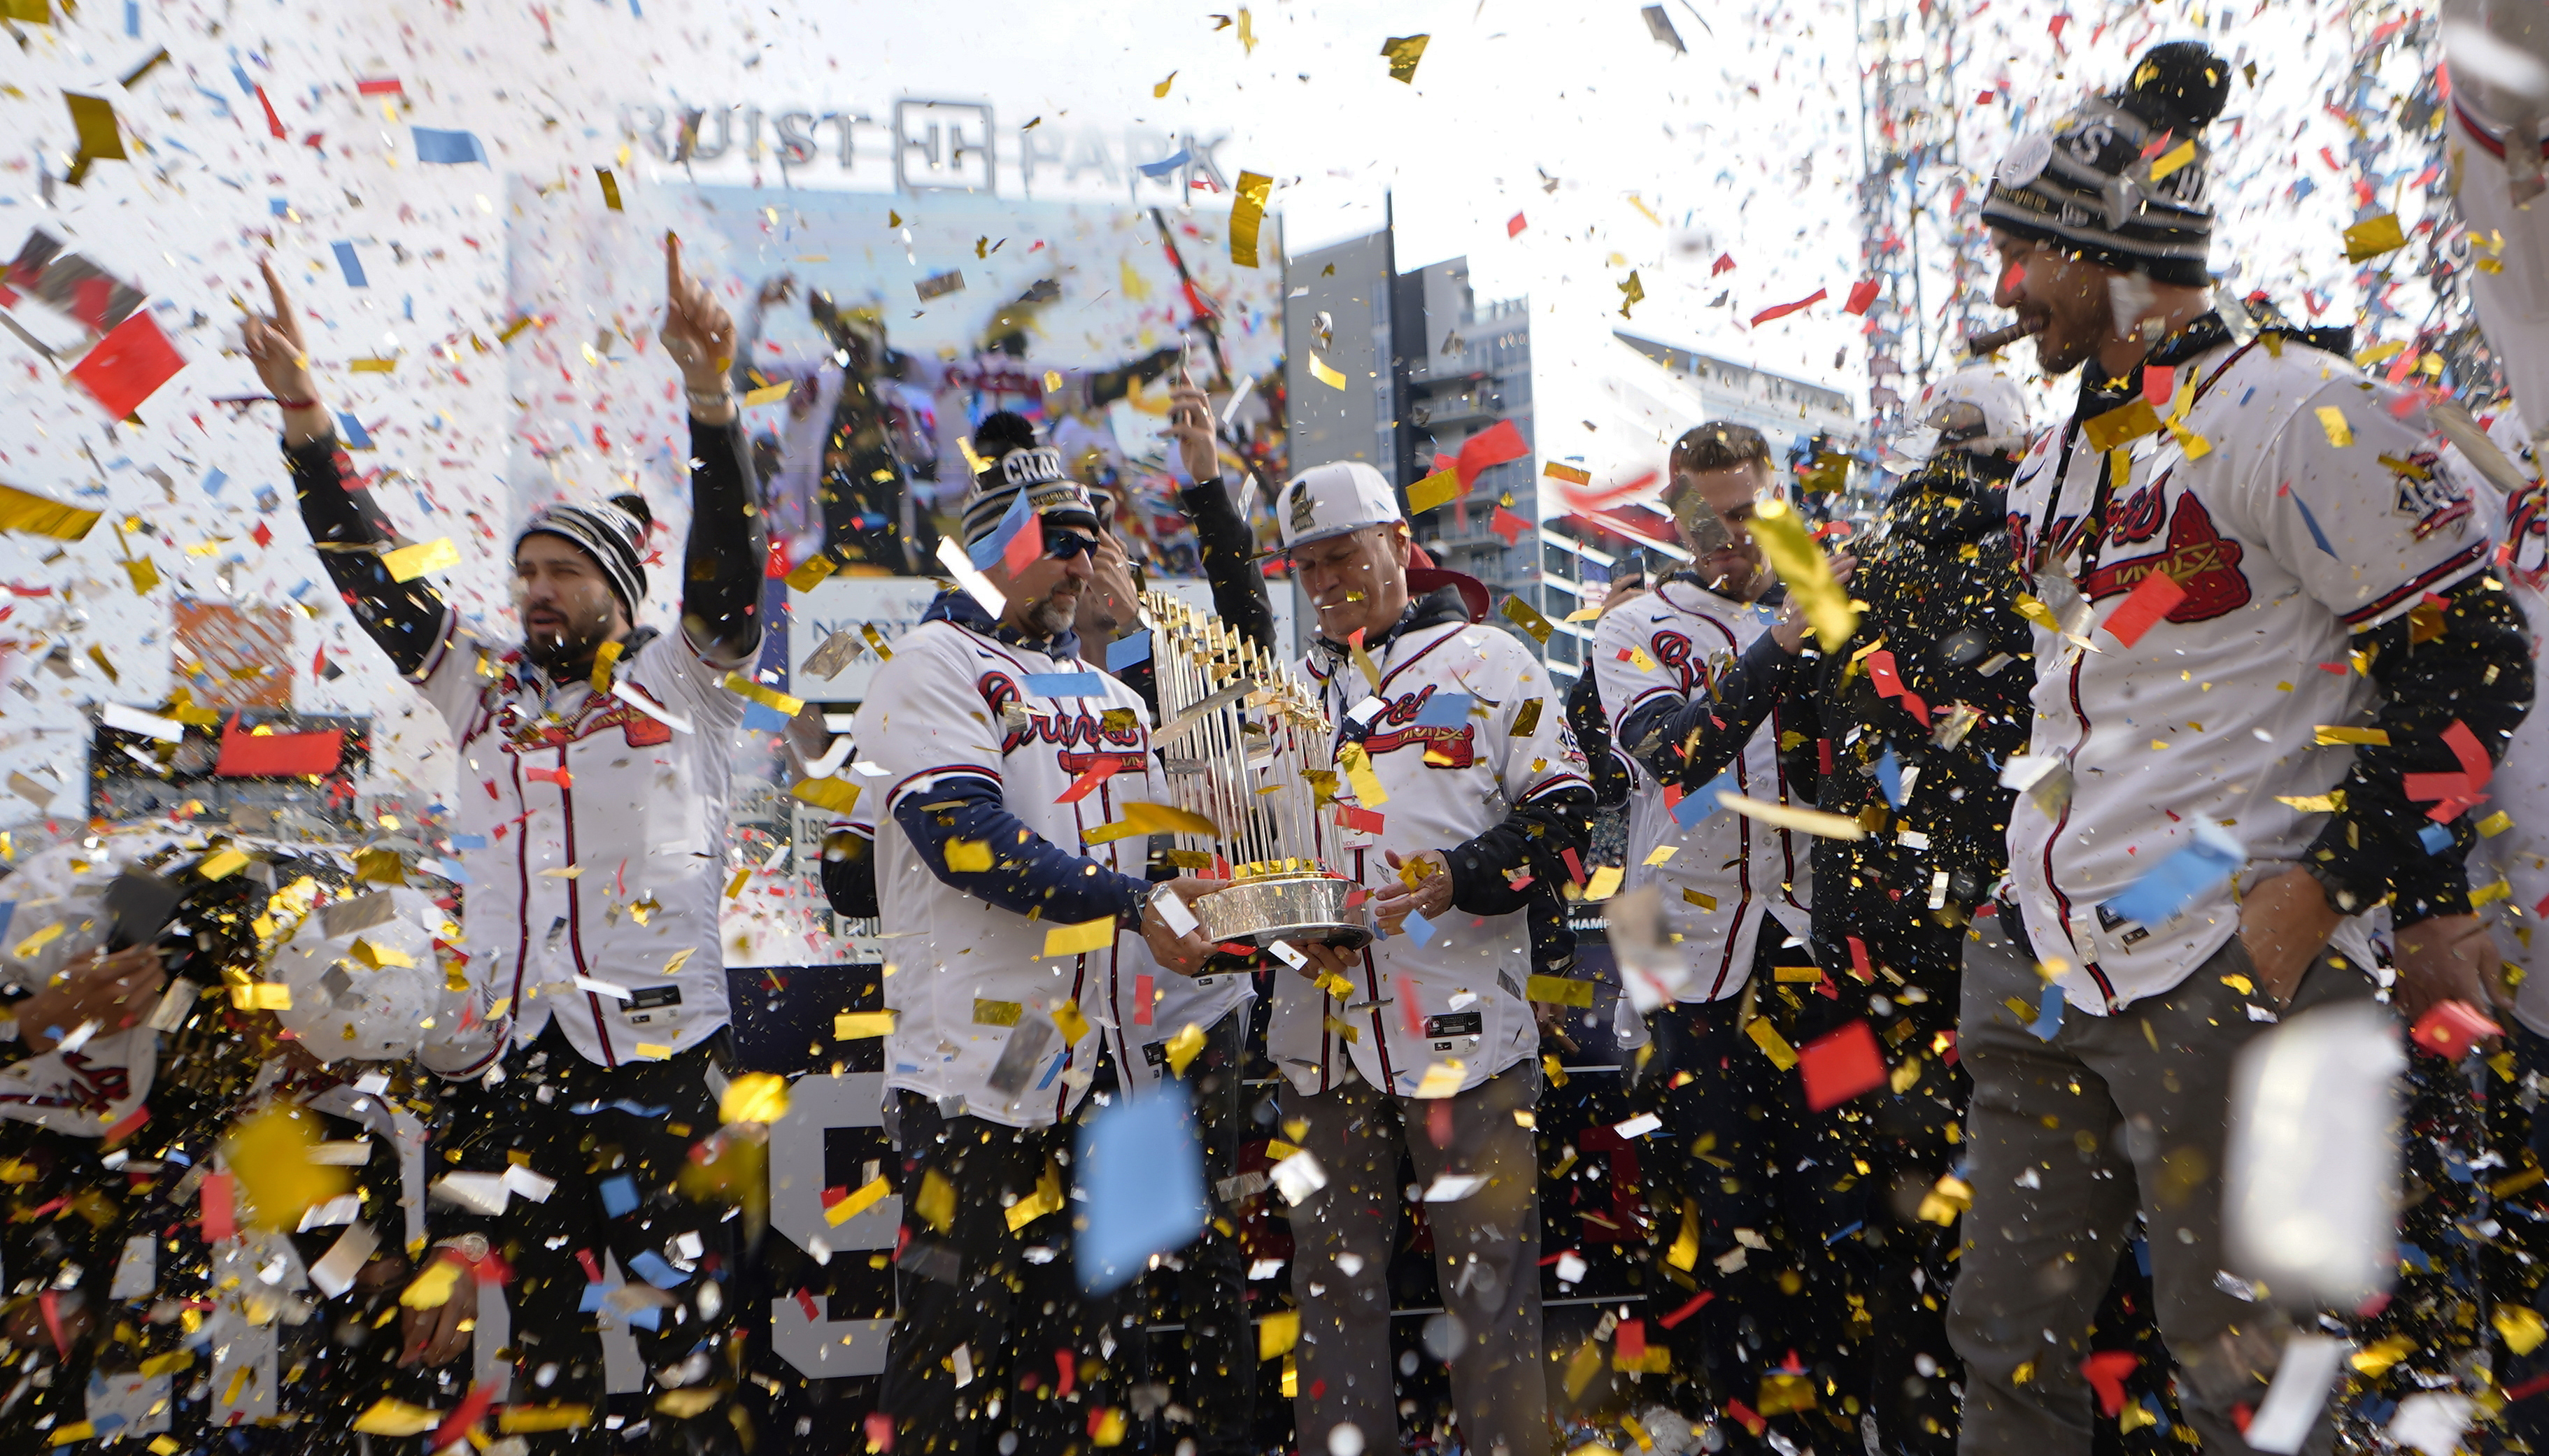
{"points": [[1994, 340]]}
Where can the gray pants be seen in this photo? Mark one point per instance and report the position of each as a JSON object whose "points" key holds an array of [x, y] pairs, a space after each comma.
{"points": [[2115, 1115], [1486, 1250]]}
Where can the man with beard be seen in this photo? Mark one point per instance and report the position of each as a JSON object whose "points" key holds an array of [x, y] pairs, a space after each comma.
{"points": [[997, 755], [592, 808], [2222, 519]]}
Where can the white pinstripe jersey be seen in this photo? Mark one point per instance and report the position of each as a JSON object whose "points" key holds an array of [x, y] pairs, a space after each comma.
{"points": [[592, 834], [1727, 872]]}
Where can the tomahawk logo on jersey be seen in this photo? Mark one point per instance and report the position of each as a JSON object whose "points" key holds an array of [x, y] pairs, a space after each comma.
{"points": [[2294, 503], [970, 977], [1726, 871], [1451, 992]]}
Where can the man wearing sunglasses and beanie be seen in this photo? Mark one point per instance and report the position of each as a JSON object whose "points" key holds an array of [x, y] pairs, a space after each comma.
{"points": [[994, 753]]}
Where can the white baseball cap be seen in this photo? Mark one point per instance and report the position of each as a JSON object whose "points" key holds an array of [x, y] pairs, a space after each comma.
{"points": [[1333, 499], [1996, 418]]}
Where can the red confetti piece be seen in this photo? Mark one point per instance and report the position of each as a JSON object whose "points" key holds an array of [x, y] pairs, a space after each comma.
{"points": [[1099, 770], [1508, 526], [1863, 296], [2106, 1370], [472, 1409], [1697, 1303], [1725, 263], [1142, 999], [1024, 546], [2159, 384], [1840, 1065], [2154, 598], [1361, 820], [2449, 1029], [1409, 1014], [1859, 963], [273, 123], [129, 365], [1881, 674], [220, 1215], [1494, 445], [562, 778], [278, 755], [1514, 226], [1782, 310]]}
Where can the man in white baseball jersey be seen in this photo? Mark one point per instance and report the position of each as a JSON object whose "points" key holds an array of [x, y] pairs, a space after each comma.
{"points": [[1020, 959], [591, 797], [2302, 670], [1462, 797]]}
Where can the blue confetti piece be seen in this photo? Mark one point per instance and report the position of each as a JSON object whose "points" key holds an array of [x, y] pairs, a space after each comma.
{"points": [[1166, 164], [1141, 1186], [449, 148], [2174, 883], [1125, 652], [133, 17], [352, 265], [646, 1316], [355, 436], [1067, 684], [1444, 711], [622, 1104], [214, 482], [8, 912], [1889, 776], [1695, 808], [2312, 521], [2141, 1255], [760, 718], [247, 86], [468, 842], [1837, 1235], [591, 1298], [1418, 928], [619, 1195], [994, 547], [2435, 838], [650, 1266], [1051, 1070], [451, 870], [2048, 1014]]}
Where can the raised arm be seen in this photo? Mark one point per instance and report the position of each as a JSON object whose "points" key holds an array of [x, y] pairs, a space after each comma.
{"points": [[407, 619], [729, 544]]}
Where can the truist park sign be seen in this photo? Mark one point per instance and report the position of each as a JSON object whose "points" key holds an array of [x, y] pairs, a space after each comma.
{"points": [[917, 144]]}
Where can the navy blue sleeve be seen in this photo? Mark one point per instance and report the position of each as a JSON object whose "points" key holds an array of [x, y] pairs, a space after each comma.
{"points": [[1690, 741], [1029, 874]]}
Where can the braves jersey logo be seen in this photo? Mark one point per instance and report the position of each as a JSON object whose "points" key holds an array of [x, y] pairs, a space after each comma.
{"points": [[2425, 497], [1083, 737], [636, 729], [93, 1087], [2203, 560], [2139, 520], [1459, 744], [1672, 649]]}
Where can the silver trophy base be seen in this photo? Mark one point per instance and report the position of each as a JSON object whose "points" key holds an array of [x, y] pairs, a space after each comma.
{"points": [[1301, 908]]}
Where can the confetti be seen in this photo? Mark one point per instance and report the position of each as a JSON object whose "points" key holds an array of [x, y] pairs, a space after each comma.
{"points": [[2332, 420], [1434, 491], [1802, 564], [610, 188], [129, 365], [1320, 371], [1404, 51], [1248, 212], [2145, 607], [1082, 938], [447, 148], [940, 284], [408, 563], [2373, 236], [1782, 310], [23, 510], [769, 698]]}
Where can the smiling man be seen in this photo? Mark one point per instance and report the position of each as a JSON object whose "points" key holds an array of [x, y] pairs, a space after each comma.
{"points": [[2221, 517], [590, 809], [1470, 800]]}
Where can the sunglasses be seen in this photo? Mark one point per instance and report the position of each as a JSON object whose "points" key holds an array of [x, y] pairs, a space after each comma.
{"points": [[1064, 545]]}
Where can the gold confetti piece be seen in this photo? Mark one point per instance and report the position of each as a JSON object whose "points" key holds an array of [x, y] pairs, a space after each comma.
{"points": [[2489, 894], [1524, 615], [222, 864], [99, 138], [605, 658], [734, 887], [1789, 816], [1325, 375], [654, 1052], [1107, 834], [810, 574], [1604, 883], [517, 1420], [1185, 1047], [1802, 564], [2176, 157], [1080, 939], [408, 563], [1572, 474], [1167, 818], [520, 324], [839, 796], [1247, 205], [769, 698], [2121, 427], [1526, 721], [1772, 1044], [859, 1026], [936, 1203], [34, 12], [857, 1203], [21, 510], [2495, 824], [1162, 89], [1442, 1078], [1434, 491], [392, 1418], [270, 1154], [1797, 975], [1047, 1198], [2314, 804], [753, 1097], [1661, 853], [1278, 1332], [2373, 236], [1558, 991], [377, 956], [610, 188], [1403, 52], [2332, 419], [969, 856], [2331, 734], [1068, 1016], [162, 1446], [1639, 660], [145, 574], [769, 393], [373, 366], [1367, 784], [432, 1290]]}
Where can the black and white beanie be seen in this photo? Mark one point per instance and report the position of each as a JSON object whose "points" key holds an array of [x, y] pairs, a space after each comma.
{"points": [[1012, 462], [2124, 180], [612, 532]]}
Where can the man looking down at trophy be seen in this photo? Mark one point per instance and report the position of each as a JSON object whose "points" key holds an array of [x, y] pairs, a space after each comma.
{"points": [[1461, 796], [993, 754]]}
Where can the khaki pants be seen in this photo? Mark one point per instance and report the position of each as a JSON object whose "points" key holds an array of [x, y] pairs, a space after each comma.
{"points": [[1486, 1250], [2115, 1115]]}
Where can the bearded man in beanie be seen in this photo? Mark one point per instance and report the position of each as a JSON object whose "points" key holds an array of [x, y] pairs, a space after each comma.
{"points": [[596, 745], [2175, 884]]}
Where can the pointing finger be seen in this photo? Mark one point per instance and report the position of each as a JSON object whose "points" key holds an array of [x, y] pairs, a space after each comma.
{"points": [[673, 266], [275, 287]]}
